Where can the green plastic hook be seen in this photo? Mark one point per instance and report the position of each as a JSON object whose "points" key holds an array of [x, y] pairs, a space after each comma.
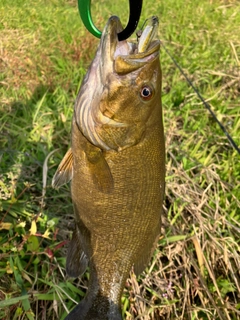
{"points": [[85, 14], [134, 16]]}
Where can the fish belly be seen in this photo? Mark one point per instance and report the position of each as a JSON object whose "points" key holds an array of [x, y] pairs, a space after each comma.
{"points": [[118, 228]]}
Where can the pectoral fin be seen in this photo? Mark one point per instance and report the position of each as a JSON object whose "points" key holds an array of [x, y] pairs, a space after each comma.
{"points": [[76, 259], [64, 171], [99, 168]]}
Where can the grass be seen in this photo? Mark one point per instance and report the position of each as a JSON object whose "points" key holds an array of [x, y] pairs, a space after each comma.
{"points": [[44, 53]]}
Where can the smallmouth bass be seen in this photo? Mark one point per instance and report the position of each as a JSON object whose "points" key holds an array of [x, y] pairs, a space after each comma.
{"points": [[117, 167]]}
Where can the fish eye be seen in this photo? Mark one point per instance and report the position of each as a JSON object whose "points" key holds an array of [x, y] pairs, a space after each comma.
{"points": [[146, 92]]}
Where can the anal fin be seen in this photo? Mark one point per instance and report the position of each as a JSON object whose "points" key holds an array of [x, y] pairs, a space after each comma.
{"points": [[77, 261]]}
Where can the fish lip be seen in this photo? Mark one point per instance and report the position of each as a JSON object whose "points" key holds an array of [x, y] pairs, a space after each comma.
{"points": [[112, 48], [109, 39]]}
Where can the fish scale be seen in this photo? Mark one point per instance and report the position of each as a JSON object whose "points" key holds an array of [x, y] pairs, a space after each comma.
{"points": [[117, 169], [122, 214]]}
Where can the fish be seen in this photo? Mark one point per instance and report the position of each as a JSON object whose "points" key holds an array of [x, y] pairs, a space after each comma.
{"points": [[116, 165]]}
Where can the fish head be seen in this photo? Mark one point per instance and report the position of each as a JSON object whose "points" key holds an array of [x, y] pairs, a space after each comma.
{"points": [[121, 89]]}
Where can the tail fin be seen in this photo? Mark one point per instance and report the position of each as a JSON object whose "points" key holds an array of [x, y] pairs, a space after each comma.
{"points": [[95, 308]]}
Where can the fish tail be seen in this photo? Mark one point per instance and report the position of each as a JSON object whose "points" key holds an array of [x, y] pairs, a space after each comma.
{"points": [[95, 308]]}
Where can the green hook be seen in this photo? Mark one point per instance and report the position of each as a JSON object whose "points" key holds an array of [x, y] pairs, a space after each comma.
{"points": [[135, 13], [85, 14]]}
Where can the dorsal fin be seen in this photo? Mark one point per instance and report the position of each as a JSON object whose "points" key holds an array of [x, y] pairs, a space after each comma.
{"points": [[64, 171]]}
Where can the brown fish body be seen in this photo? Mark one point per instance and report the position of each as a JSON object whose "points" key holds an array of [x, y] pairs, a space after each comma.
{"points": [[117, 181]]}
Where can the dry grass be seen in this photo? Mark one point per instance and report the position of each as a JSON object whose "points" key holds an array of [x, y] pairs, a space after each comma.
{"points": [[196, 266]]}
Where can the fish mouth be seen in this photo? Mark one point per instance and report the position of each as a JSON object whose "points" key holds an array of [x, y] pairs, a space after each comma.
{"points": [[126, 56]]}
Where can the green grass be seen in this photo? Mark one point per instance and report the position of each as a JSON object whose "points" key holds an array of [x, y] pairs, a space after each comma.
{"points": [[44, 54]]}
